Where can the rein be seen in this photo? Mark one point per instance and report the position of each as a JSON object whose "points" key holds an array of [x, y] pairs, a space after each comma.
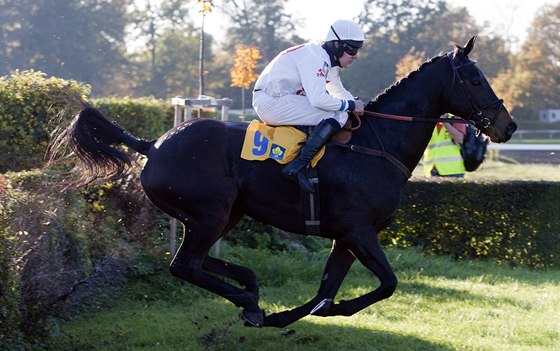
{"points": [[417, 119], [395, 161], [382, 153], [484, 123]]}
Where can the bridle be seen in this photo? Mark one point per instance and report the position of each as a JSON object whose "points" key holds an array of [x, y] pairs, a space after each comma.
{"points": [[484, 121], [482, 124]]}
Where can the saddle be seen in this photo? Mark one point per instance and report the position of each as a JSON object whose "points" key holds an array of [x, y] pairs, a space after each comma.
{"points": [[343, 135], [282, 143]]}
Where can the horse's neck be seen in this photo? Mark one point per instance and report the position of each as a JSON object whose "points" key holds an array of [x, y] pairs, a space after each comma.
{"points": [[417, 96]]}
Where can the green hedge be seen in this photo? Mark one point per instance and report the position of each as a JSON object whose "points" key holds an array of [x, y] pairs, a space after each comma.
{"points": [[514, 222], [33, 105], [511, 222], [10, 316], [29, 101], [61, 249]]}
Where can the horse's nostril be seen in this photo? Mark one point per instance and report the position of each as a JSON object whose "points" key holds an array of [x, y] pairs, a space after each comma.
{"points": [[511, 129]]}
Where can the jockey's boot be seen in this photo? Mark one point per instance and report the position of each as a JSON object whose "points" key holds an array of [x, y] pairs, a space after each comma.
{"points": [[316, 140]]}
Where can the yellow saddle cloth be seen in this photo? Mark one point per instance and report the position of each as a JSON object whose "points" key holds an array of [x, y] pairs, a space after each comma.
{"points": [[278, 143]]}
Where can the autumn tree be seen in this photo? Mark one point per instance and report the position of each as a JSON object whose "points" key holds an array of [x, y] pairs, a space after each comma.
{"points": [[243, 71], [411, 61], [534, 81], [392, 29]]}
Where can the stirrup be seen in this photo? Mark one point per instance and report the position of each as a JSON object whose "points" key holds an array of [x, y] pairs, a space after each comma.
{"points": [[300, 178]]}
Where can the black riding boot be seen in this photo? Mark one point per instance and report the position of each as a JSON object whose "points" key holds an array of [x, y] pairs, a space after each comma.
{"points": [[316, 140]]}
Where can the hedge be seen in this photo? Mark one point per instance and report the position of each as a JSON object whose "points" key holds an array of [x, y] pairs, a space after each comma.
{"points": [[33, 105], [60, 250], [29, 103], [10, 316], [513, 222]]}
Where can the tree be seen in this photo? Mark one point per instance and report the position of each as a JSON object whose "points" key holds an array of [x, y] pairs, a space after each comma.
{"points": [[149, 21], [534, 82], [76, 39], [409, 62], [263, 23], [176, 66], [392, 29], [243, 71], [173, 60]]}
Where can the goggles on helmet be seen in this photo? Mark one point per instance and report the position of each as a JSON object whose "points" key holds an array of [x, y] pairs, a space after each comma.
{"points": [[350, 49]]}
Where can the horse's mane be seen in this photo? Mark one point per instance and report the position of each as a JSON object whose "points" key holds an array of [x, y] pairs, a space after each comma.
{"points": [[411, 75]]}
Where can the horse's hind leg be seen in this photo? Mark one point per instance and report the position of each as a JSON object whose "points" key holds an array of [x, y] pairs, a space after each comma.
{"points": [[243, 275], [191, 257], [339, 262]]}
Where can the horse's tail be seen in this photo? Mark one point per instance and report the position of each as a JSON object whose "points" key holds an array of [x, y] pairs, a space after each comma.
{"points": [[92, 139]]}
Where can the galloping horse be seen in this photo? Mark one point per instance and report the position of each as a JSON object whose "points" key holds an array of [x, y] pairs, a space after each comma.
{"points": [[195, 174]]}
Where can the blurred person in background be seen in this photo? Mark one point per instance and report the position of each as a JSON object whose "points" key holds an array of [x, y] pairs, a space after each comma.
{"points": [[442, 157]]}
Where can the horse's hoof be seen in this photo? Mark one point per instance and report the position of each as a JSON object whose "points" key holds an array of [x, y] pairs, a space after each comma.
{"points": [[322, 308], [253, 319]]}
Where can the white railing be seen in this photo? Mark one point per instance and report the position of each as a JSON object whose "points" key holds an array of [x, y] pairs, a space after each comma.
{"points": [[203, 101], [550, 133], [524, 147]]}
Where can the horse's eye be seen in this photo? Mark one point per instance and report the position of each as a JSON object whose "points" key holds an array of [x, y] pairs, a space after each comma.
{"points": [[476, 83]]}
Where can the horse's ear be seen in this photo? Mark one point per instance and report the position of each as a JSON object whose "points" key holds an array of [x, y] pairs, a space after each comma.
{"points": [[469, 46]]}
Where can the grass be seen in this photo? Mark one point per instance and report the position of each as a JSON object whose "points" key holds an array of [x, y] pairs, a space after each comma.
{"points": [[440, 305]]}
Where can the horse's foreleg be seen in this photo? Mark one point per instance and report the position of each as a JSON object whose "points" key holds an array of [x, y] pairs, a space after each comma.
{"points": [[339, 262], [369, 252]]}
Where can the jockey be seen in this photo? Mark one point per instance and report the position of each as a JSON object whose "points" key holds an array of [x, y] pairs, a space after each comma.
{"points": [[302, 86]]}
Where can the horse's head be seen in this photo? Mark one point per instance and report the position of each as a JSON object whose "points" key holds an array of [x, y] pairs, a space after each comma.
{"points": [[472, 98]]}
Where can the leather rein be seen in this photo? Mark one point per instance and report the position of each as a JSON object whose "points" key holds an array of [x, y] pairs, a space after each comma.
{"points": [[382, 153], [484, 123]]}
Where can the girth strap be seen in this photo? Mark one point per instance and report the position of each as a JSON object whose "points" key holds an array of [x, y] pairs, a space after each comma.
{"points": [[388, 157]]}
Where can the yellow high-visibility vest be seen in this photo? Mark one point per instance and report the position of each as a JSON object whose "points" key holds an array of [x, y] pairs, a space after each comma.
{"points": [[443, 154]]}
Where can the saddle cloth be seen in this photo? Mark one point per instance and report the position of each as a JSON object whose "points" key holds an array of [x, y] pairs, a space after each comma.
{"points": [[280, 143]]}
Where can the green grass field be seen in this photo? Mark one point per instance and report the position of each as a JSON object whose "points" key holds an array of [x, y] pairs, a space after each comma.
{"points": [[440, 304]]}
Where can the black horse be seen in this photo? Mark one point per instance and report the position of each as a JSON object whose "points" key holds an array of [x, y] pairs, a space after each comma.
{"points": [[195, 174]]}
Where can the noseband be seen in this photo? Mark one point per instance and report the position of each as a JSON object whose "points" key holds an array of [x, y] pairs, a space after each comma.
{"points": [[484, 122]]}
